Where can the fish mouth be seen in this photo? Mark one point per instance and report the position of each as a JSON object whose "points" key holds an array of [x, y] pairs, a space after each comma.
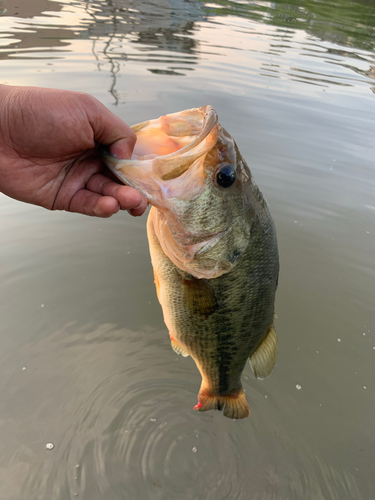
{"points": [[184, 137]]}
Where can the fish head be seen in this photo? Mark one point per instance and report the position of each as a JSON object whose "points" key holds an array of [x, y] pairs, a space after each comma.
{"points": [[190, 169]]}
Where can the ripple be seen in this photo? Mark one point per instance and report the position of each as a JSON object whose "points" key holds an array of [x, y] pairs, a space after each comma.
{"points": [[118, 407]]}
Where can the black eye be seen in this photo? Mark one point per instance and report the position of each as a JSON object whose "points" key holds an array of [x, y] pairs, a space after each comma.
{"points": [[226, 176]]}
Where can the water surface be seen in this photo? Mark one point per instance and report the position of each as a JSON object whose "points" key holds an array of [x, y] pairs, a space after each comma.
{"points": [[85, 358]]}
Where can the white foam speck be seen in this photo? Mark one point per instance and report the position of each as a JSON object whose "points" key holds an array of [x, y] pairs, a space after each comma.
{"points": [[50, 446], [194, 450], [298, 386]]}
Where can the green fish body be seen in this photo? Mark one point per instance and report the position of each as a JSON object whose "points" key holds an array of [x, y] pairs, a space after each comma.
{"points": [[213, 249]]}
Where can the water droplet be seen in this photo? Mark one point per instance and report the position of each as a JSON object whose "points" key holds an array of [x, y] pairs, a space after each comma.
{"points": [[41, 305], [194, 450], [364, 387], [78, 466], [363, 333], [50, 446], [338, 340], [367, 232], [298, 386], [24, 367]]}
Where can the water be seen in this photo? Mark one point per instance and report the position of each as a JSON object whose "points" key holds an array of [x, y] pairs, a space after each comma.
{"points": [[85, 359]]}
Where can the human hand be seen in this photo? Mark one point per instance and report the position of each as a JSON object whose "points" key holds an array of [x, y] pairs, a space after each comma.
{"points": [[49, 152]]}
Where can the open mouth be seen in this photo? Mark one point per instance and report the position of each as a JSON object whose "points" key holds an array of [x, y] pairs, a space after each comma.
{"points": [[165, 149]]}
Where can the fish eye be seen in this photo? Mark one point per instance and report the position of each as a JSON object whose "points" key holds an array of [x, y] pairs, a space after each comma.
{"points": [[226, 175]]}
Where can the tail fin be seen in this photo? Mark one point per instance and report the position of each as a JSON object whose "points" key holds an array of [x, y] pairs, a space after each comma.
{"points": [[233, 405]]}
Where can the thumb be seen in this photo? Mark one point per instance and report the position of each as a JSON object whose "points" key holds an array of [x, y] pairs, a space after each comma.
{"points": [[110, 130]]}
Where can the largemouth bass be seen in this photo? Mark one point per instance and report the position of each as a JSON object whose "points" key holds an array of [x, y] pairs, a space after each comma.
{"points": [[213, 249]]}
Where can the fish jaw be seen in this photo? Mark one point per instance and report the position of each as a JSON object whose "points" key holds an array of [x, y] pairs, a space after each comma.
{"points": [[160, 157]]}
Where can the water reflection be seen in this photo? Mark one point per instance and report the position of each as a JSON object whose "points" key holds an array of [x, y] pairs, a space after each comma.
{"points": [[166, 35]]}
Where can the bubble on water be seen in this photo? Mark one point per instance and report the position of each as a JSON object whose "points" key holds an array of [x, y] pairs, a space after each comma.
{"points": [[41, 305], [364, 333], [266, 396], [50, 446], [338, 340], [194, 450], [364, 387], [78, 466], [298, 386], [24, 367]]}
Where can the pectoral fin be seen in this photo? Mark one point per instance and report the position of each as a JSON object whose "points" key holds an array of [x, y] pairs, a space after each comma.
{"points": [[263, 359], [199, 297]]}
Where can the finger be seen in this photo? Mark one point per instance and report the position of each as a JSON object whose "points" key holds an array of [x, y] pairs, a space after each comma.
{"points": [[137, 212], [88, 203], [109, 129], [127, 197]]}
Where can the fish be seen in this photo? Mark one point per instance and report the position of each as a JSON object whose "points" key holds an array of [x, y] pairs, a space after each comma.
{"points": [[213, 249]]}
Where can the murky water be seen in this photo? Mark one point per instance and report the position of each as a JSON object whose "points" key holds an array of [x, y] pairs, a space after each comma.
{"points": [[85, 358]]}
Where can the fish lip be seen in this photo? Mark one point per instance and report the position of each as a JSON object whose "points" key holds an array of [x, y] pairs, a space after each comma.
{"points": [[157, 164], [210, 119]]}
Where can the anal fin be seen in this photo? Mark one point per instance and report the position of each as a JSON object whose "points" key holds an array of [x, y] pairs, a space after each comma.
{"points": [[263, 359], [178, 349]]}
